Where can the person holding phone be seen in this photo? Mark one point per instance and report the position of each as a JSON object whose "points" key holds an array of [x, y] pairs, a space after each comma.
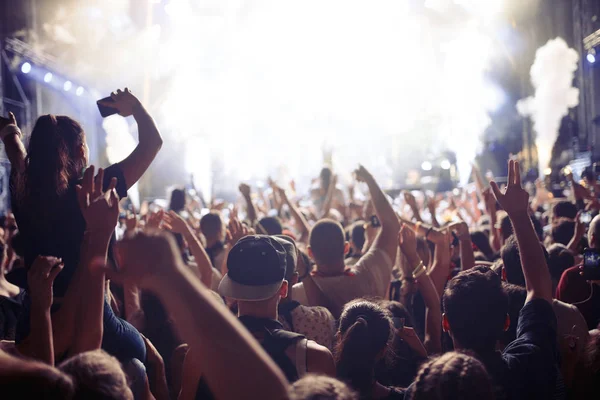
{"points": [[43, 196], [580, 285]]}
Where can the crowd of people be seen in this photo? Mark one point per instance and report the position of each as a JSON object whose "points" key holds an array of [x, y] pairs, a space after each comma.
{"points": [[475, 294]]}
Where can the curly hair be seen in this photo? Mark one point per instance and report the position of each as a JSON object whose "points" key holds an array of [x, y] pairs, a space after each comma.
{"points": [[452, 376], [315, 387]]}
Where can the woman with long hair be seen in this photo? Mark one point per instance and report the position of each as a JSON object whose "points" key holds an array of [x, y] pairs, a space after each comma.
{"points": [[364, 335], [44, 200]]}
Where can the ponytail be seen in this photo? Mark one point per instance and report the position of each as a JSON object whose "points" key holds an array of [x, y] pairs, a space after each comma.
{"points": [[364, 334]]}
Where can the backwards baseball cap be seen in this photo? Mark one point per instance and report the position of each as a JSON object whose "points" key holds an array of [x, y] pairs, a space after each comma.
{"points": [[255, 269]]}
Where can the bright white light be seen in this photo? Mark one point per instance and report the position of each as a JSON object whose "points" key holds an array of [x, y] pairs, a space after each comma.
{"points": [[547, 171], [48, 77], [25, 68], [445, 164], [426, 166], [79, 91], [591, 58], [67, 86]]}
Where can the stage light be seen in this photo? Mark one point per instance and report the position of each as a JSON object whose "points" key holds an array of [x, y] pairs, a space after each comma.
{"points": [[26, 67], [445, 164], [67, 86], [591, 57], [79, 91], [426, 166], [48, 77], [548, 171]]}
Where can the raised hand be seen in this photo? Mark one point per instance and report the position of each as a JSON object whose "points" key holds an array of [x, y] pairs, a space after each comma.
{"points": [[244, 189], [8, 121], [235, 231], [99, 209], [361, 174], [461, 229], [40, 278], [131, 221], [175, 223], [408, 244], [124, 101], [155, 220], [514, 200], [146, 258]]}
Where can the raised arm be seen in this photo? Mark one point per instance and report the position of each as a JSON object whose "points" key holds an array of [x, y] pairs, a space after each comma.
{"points": [[250, 207], [515, 202], [177, 224], [11, 136], [390, 226], [101, 212], [418, 273], [40, 278], [467, 257], [151, 261], [150, 142], [301, 222]]}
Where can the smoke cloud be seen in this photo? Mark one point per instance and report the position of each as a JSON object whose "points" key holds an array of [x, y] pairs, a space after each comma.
{"points": [[552, 75]]}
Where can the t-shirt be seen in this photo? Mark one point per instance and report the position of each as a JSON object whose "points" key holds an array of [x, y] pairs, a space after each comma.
{"points": [[315, 323], [574, 289], [66, 231], [369, 277], [528, 366]]}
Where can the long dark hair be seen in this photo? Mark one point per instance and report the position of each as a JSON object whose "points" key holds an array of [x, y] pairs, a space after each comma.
{"points": [[52, 161], [365, 331]]}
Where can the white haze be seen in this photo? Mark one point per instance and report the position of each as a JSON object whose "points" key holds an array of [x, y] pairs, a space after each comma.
{"points": [[552, 76]]}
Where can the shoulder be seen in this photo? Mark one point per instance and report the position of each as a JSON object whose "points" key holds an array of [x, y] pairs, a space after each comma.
{"points": [[319, 358], [373, 258]]}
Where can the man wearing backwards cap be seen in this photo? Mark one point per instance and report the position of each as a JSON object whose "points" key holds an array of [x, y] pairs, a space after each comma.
{"points": [[255, 277]]}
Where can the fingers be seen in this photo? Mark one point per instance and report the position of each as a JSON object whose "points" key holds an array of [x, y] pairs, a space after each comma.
{"points": [[113, 185], [87, 183], [12, 118], [55, 271], [517, 173], [496, 190], [98, 180]]}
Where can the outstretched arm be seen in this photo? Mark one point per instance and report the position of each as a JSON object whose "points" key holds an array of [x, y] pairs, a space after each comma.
{"points": [[250, 207], [301, 222], [390, 226], [433, 322], [150, 142], [515, 201], [40, 278], [151, 261]]}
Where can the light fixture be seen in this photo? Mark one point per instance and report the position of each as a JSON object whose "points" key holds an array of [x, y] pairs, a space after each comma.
{"points": [[26, 67], [445, 164], [48, 77], [67, 86], [79, 91], [426, 166], [591, 56]]}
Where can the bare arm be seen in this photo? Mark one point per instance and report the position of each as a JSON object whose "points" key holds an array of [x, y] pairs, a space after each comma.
{"points": [[11, 136], [250, 207], [467, 256], [577, 234], [301, 222], [433, 322], [152, 261], [150, 142], [178, 225], [515, 200], [390, 226], [40, 278], [100, 211]]}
